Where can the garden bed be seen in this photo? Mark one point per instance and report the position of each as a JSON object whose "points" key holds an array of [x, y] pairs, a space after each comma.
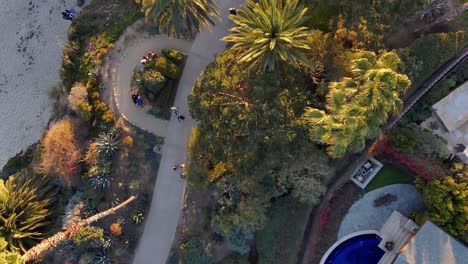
{"points": [[330, 221], [158, 80]]}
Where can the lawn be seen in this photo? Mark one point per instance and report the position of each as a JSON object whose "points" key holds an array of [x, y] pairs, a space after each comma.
{"points": [[389, 174]]}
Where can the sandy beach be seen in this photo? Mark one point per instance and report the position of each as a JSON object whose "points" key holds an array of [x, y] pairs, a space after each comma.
{"points": [[32, 34]]}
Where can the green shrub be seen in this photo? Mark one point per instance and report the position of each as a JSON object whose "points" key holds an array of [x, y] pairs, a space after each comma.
{"points": [[113, 33], [100, 107], [153, 81], [108, 117], [279, 241], [84, 109], [88, 237], [236, 259], [18, 162], [429, 52], [195, 252], [174, 55], [167, 68], [238, 240], [95, 95]]}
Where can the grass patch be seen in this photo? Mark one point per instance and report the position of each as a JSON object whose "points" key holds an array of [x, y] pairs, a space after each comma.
{"points": [[389, 174], [281, 238]]}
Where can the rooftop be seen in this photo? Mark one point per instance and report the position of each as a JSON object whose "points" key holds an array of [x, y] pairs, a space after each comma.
{"points": [[431, 245], [452, 109]]}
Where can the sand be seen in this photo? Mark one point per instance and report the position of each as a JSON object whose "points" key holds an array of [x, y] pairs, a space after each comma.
{"points": [[32, 35]]}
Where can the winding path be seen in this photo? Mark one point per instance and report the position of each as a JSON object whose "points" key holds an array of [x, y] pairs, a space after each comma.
{"points": [[162, 219]]}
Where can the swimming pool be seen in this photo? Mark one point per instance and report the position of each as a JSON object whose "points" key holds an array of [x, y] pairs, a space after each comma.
{"points": [[358, 249]]}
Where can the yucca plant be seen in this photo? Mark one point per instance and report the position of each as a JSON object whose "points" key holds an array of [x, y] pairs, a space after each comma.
{"points": [[269, 32], [26, 204], [108, 143], [101, 181]]}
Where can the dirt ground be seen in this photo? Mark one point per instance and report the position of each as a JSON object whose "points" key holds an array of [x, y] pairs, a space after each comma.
{"points": [[331, 219]]}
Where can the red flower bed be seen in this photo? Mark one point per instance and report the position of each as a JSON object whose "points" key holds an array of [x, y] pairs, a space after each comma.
{"points": [[383, 149]]}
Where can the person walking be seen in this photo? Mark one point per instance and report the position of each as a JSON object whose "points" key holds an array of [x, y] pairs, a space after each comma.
{"points": [[139, 100], [181, 117], [175, 110]]}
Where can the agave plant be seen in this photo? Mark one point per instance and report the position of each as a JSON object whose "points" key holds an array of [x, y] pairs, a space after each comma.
{"points": [[101, 181], [108, 143], [102, 258]]}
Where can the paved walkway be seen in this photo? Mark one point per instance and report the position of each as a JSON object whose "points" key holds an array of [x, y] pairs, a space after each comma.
{"points": [[162, 219], [364, 215]]}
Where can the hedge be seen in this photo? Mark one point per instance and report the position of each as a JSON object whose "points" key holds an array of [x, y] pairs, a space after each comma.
{"points": [[174, 55]]}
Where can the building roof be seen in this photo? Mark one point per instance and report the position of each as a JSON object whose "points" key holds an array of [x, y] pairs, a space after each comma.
{"points": [[431, 245], [452, 109]]}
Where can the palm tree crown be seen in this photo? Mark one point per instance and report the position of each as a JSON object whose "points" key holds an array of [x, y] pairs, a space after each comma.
{"points": [[175, 16], [269, 31], [358, 106]]}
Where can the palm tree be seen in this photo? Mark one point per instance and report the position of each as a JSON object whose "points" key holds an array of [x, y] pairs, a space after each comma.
{"points": [[51, 242], [26, 203], [175, 16], [358, 106], [445, 17], [269, 31]]}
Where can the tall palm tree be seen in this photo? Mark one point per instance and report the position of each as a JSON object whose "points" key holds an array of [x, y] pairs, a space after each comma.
{"points": [[175, 16], [358, 106], [269, 31]]}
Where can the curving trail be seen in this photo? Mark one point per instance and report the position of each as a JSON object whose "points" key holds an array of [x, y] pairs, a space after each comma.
{"points": [[163, 216]]}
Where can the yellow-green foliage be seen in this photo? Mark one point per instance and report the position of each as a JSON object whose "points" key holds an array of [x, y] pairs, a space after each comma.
{"points": [[447, 203], [88, 237], [108, 117], [94, 95], [110, 46], [100, 107], [84, 109], [26, 200]]}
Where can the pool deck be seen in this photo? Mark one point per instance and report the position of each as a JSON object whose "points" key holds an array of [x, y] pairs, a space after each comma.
{"points": [[399, 230], [365, 214]]}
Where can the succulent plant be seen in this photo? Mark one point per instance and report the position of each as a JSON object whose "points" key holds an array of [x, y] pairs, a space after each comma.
{"points": [[101, 181], [102, 258], [108, 143]]}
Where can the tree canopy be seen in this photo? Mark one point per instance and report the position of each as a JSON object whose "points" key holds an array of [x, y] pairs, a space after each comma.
{"points": [[175, 16], [249, 130], [269, 32], [357, 106], [447, 203]]}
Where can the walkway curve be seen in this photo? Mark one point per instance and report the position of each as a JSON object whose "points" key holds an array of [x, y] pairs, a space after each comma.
{"points": [[162, 219], [130, 58]]}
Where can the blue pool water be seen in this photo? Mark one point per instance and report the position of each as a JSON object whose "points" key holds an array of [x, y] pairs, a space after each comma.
{"points": [[361, 249]]}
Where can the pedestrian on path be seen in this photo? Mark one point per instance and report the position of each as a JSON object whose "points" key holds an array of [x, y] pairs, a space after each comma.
{"points": [[182, 175], [182, 166], [175, 110], [181, 117], [175, 167]]}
